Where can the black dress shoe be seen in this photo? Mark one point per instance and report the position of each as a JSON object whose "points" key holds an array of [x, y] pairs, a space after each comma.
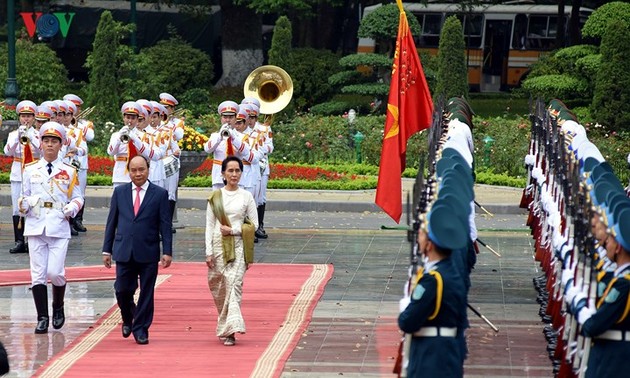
{"points": [[126, 330], [20, 247], [42, 325], [142, 340]]}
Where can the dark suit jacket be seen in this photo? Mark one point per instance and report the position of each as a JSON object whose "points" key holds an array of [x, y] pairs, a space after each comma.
{"points": [[128, 236]]}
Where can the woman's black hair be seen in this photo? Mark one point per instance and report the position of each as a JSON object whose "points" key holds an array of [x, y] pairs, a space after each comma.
{"points": [[229, 159]]}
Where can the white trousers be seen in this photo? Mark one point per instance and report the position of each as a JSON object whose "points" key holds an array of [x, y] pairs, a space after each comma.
{"points": [[83, 179], [48, 256], [16, 191], [171, 186]]}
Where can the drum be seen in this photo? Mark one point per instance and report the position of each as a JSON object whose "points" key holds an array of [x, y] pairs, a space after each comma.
{"points": [[171, 165]]}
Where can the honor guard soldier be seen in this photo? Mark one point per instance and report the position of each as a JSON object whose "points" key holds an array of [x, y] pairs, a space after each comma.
{"points": [[23, 146], [266, 144], [173, 128], [86, 129], [51, 196], [437, 306], [607, 322]]}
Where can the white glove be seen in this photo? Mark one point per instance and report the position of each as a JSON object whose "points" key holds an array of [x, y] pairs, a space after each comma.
{"points": [[572, 292], [68, 211], [124, 130], [22, 129], [403, 303], [567, 276], [24, 205], [530, 160], [585, 314]]}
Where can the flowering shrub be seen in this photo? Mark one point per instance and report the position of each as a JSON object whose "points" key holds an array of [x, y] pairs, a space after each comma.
{"points": [[192, 140], [5, 163], [288, 171], [101, 165], [310, 173]]}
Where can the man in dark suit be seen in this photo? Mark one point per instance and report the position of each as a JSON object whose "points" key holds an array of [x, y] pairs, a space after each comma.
{"points": [[138, 215]]}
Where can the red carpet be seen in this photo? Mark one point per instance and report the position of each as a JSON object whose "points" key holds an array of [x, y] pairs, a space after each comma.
{"points": [[74, 274], [278, 301]]}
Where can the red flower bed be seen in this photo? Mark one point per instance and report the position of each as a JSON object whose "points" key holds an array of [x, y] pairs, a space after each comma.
{"points": [[5, 163], [102, 165], [98, 164], [285, 171]]}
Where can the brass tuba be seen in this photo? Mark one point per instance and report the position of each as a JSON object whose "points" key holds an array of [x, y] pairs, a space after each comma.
{"points": [[272, 86]]}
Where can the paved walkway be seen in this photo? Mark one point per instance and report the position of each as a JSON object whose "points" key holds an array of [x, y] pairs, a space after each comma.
{"points": [[353, 331]]}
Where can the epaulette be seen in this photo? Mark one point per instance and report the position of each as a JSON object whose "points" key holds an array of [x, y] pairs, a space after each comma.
{"points": [[31, 163]]}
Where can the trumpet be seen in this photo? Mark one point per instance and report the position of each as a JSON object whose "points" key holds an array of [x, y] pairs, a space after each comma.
{"points": [[84, 113], [225, 131], [22, 132], [124, 135]]}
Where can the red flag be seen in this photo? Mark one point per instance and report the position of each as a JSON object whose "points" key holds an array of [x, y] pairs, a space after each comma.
{"points": [[409, 110], [27, 155]]}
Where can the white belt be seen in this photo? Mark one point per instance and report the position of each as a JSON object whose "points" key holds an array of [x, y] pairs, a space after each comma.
{"points": [[436, 331], [615, 335]]}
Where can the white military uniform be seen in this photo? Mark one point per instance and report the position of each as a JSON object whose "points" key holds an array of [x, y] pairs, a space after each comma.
{"points": [[87, 131], [120, 152], [265, 142], [218, 146], [15, 149], [172, 131], [52, 199], [156, 169], [251, 167]]}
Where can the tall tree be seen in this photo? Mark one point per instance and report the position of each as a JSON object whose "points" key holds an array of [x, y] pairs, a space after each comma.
{"points": [[241, 41], [452, 71], [103, 63], [612, 88]]}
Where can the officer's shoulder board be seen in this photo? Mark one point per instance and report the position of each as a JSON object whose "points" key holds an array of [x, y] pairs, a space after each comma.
{"points": [[31, 163]]}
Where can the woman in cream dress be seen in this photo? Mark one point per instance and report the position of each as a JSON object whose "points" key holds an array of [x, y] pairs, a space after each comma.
{"points": [[225, 279]]}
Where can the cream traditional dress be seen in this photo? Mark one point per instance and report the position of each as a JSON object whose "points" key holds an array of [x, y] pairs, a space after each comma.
{"points": [[226, 281]]}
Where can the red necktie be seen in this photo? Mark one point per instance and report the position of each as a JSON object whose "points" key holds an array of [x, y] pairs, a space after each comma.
{"points": [[136, 202]]}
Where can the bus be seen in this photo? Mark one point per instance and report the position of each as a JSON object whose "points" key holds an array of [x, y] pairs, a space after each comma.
{"points": [[502, 40]]}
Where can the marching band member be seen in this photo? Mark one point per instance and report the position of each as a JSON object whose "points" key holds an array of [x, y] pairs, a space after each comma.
{"points": [[225, 142], [121, 141], [156, 169], [21, 154], [251, 170], [75, 156], [265, 141], [86, 129], [43, 115], [172, 131], [51, 196]]}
